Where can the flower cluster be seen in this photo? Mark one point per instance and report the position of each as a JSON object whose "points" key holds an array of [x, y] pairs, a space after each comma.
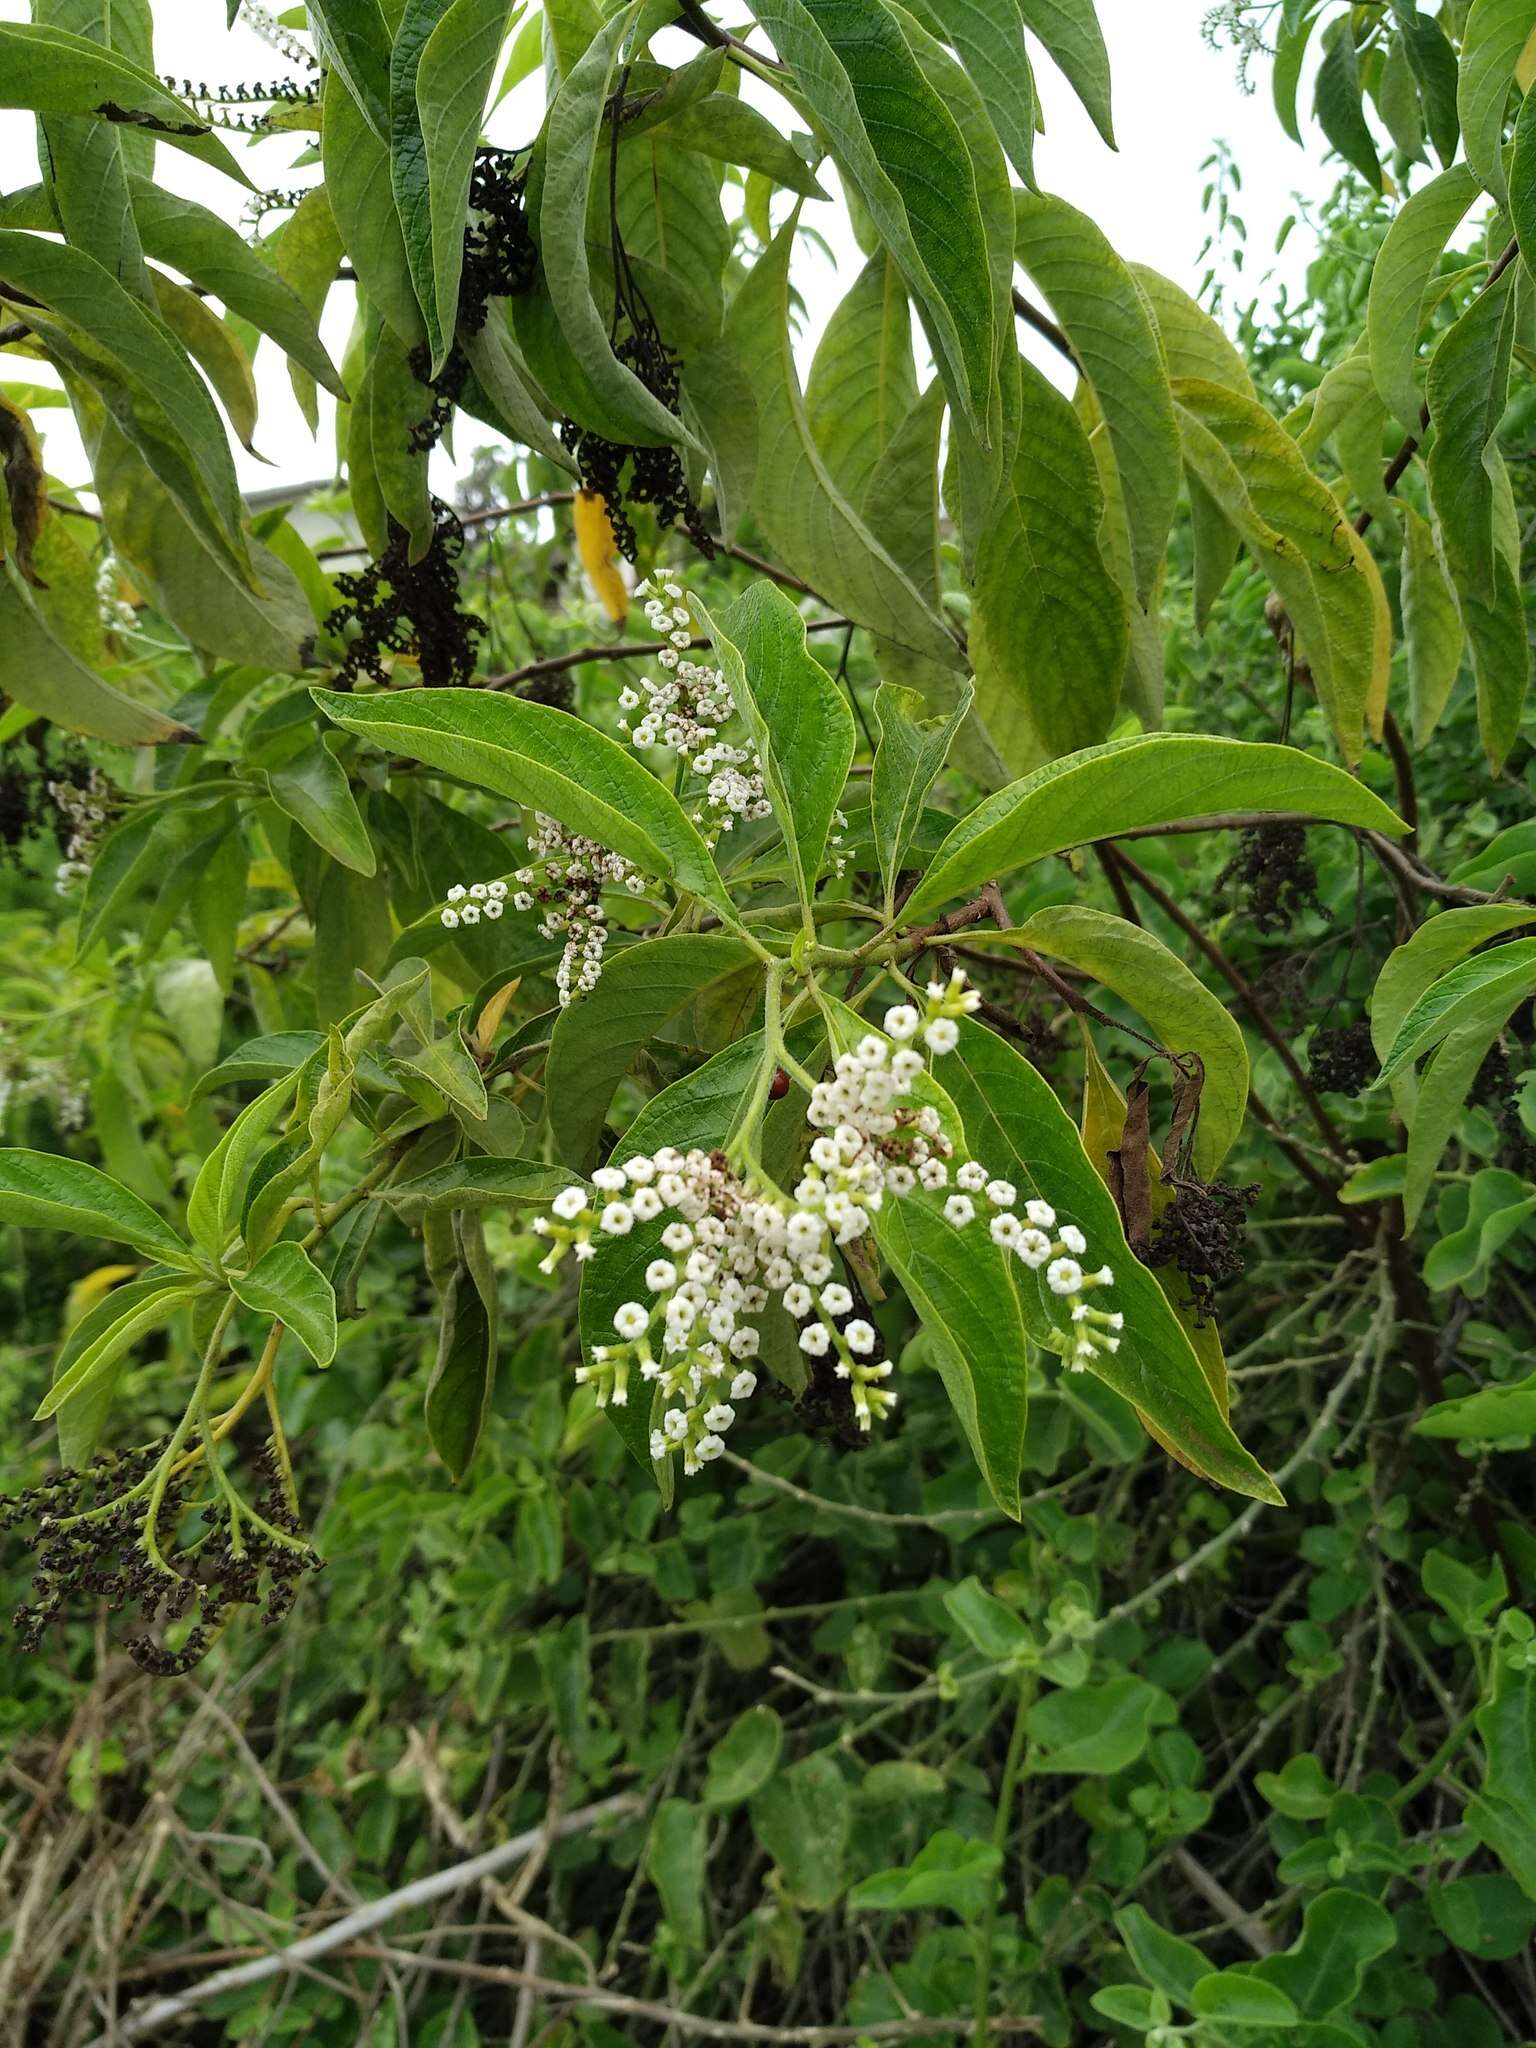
{"points": [[469, 905], [732, 1245], [684, 709], [579, 870], [82, 819]]}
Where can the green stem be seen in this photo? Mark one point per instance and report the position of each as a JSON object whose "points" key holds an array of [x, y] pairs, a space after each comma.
{"points": [[1425, 1777], [1001, 1824], [161, 1477]]}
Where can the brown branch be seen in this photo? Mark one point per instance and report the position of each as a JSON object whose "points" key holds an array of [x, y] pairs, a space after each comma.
{"points": [[1042, 323], [620, 650]]}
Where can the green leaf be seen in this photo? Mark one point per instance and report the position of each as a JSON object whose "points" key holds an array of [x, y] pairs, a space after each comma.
{"points": [[990, 1625], [950, 1870], [862, 383], [214, 348], [729, 131], [1457, 996], [1015, 1125], [1432, 629], [82, 1416], [408, 169], [1468, 391], [1341, 1934], [1337, 103], [1242, 2000], [55, 684], [1296, 529], [546, 759], [1172, 1966], [1522, 183], [798, 718], [1070, 31], [1181, 1011], [1492, 1414], [285, 1282], [213, 1206], [1115, 339], [597, 1040], [1496, 32], [1498, 1205], [464, 1371], [901, 500], [1193, 345], [908, 760], [217, 256], [1441, 1096], [45, 1191], [805, 519], [893, 136], [352, 37], [1434, 66], [90, 1364], [314, 791], [390, 405], [674, 1860], [988, 38], [802, 1819], [504, 379], [1485, 1915], [309, 253], [1437, 945], [1295, 33], [477, 1184], [358, 184], [1406, 268], [1049, 628], [1150, 779], [573, 126], [1132, 2006], [745, 1757], [452, 84], [51, 71], [1095, 1730], [266, 1058]]}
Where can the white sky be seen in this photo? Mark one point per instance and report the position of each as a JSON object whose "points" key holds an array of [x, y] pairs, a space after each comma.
{"points": [[1172, 98]]}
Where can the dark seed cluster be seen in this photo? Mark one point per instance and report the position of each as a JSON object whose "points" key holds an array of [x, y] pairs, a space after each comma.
{"points": [[558, 691], [1494, 1090], [445, 388], [1341, 1058], [1272, 869], [107, 1557], [1202, 1232], [397, 606], [501, 260], [655, 475]]}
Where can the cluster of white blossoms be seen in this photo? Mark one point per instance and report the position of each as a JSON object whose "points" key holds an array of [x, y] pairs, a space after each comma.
{"points": [[731, 1245], [467, 905], [684, 709], [83, 808]]}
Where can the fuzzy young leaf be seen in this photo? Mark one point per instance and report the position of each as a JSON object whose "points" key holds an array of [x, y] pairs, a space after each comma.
{"points": [[285, 1282]]}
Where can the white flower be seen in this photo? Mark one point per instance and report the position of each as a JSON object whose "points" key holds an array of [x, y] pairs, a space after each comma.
{"points": [[617, 1219], [646, 1204], [478, 892], [496, 891], [709, 1447], [675, 1423], [906, 1065], [971, 1177], [609, 1180], [677, 1237], [522, 900], [569, 1203], [942, 1035], [1033, 1247], [902, 1021], [797, 1299], [639, 1170], [1064, 1276], [470, 914], [451, 919], [494, 908], [631, 1320], [1002, 1194], [720, 1417], [860, 1337], [660, 1275], [816, 1339], [836, 1299], [745, 1342], [1041, 1214], [1073, 1239], [1006, 1231], [457, 893], [959, 1210], [933, 1174], [743, 1386]]}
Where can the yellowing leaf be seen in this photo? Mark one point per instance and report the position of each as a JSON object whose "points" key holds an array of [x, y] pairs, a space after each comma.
{"points": [[598, 548], [87, 1292]]}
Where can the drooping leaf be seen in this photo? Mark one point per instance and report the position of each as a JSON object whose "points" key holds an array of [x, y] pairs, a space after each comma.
{"points": [[898, 142], [90, 1364], [1151, 779], [1295, 528], [1468, 391], [545, 758], [597, 1040], [744, 1758], [1049, 624], [1432, 629], [862, 383], [1070, 31], [1341, 1935], [47, 1191], [1496, 32], [901, 500], [312, 788], [807, 522], [1434, 66], [477, 1184], [1115, 339], [352, 36], [54, 683], [286, 1283], [452, 84], [1451, 1000], [1338, 104], [1401, 277], [82, 1416], [988, 38], [356, 162], [214, 348]]}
